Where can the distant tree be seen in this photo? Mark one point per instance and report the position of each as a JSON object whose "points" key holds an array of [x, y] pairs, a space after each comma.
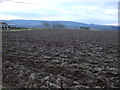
{"points": [[46, 24], [61, 26], [58, 25], [92, 24]]}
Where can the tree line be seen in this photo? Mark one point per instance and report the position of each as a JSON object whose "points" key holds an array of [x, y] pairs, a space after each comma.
{"points": [[52, 25], [45, 24], [59, 25]]}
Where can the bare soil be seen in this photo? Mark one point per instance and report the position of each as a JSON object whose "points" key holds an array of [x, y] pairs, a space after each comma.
{"points": [[60, 58]]}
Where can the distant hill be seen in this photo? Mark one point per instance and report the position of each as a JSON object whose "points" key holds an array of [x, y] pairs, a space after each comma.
{"points": [[67, 24]]}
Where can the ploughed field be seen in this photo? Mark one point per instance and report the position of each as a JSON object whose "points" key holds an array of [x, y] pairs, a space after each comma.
{"points": [[60, 59]]}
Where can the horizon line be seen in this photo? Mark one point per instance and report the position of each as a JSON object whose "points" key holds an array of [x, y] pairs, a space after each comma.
{"points": [[115, 24]]}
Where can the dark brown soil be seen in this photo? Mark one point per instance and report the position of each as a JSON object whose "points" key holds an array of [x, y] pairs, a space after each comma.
{"points": [[60, 58]]}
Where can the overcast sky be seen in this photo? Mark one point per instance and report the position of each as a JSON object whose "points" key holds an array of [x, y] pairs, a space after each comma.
{"points": [[103, 12]]}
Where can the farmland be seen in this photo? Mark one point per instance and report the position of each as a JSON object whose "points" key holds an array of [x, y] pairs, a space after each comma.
{"points": [[60, 58]]}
